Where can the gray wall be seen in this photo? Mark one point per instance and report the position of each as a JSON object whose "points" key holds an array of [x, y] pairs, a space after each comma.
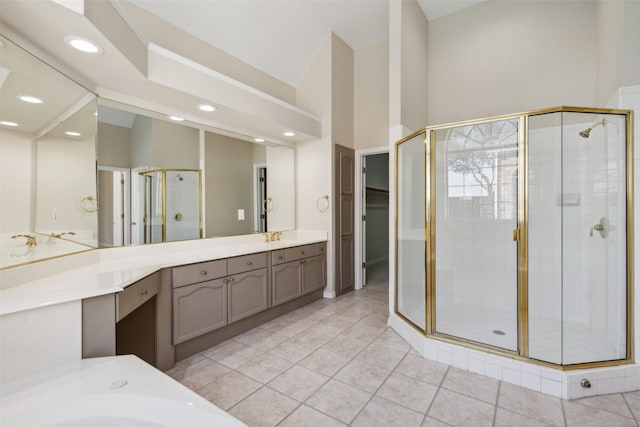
{"points": [[141, 142], [175, 146], [229, 185], [114, 145]]}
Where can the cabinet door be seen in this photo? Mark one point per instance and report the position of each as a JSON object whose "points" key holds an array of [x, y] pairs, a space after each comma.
{"points": [[314, 273], [198, 309], [247, 294], [287, 282]]}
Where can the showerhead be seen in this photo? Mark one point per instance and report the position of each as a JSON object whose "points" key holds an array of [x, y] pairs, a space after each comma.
{"points": [[585, 133]]}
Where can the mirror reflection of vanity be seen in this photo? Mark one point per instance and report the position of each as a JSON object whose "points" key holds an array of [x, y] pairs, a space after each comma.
{"points": [[162, 180], [51, 190]]}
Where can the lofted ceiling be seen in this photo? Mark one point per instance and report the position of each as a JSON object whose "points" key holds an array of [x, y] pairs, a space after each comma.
{"points": [[169, 56], [281, 37]]}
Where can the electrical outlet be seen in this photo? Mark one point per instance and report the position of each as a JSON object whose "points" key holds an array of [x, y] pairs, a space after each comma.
{"points": [[240, 214]]}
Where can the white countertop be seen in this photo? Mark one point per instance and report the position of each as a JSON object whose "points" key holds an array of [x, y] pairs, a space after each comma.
{"points": [[116, 268], [119, 390]]}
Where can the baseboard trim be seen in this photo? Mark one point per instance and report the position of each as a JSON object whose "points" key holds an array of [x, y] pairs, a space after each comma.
{"points": [[329, 294]]}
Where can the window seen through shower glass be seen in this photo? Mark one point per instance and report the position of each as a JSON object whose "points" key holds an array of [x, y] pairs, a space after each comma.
{"points": [[411, 268], [476, 200]]}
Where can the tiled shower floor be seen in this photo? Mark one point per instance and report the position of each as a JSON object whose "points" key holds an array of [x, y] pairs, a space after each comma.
{"points": [[335, 362]]}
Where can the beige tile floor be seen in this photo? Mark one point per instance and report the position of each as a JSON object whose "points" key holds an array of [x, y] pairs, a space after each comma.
{"points": [[335, 363]]}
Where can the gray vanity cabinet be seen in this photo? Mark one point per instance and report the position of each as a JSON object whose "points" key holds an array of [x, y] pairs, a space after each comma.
{"points": [[198, 309], [287, 282], [248, 285], [248, 294], [314, 273], [199, 299], [305, 271]]}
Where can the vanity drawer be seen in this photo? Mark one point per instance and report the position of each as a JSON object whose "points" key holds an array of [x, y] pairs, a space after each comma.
{"points": [[244, 263], [135, 295], [195, 273], [277, 257], [299, 252]]}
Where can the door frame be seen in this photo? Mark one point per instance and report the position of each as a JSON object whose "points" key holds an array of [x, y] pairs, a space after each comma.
{"points": [[257, 206], [360, 209], [126, 221]]}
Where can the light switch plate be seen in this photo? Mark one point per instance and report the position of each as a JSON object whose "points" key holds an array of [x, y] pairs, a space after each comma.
{"points": [[240, 214]]}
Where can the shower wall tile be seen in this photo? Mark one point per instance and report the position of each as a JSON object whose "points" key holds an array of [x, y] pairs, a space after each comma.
{"points": [[511, 376], [530, 381], [554, 388], [461, 358], [476, 366]]}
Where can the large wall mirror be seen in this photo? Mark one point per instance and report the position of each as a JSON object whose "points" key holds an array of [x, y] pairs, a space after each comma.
{"points": [[156, 179], [48, 201], [163, 180]]}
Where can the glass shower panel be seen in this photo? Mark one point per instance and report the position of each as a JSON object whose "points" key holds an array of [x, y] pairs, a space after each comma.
{"points": [[411, 249], [594, 237], [182, 205], [545, 202], [476, 201]]}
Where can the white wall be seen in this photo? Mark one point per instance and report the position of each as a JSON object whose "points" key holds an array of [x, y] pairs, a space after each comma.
{"points": [[414, 62], [281, 188], [504, 57], [16, 181], [66, 174], [314, 158], [341, 92], [371, 96]]}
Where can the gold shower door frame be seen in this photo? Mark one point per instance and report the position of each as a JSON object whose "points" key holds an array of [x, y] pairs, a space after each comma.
{"points": [[164, 199], [520, 235]]}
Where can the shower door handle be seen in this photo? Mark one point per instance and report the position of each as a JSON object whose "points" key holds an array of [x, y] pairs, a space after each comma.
{"points": [[603, 227]]}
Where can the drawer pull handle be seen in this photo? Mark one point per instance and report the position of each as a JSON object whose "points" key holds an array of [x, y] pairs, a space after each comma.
{"points": [[302, 252], [303, 262], [203, 272], [231, 279], [144, 292], [249, 263], [280, 257]]}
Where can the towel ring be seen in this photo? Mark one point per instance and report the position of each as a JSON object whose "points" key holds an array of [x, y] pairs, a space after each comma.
{"points": [[267, 205], [322, 206], [89, 204]]}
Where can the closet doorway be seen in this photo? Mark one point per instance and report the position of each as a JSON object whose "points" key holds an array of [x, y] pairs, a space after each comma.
{"points": [[374, 242]]}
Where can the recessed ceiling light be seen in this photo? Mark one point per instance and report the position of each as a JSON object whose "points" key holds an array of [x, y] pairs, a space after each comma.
{"points": [[206, 107], [83, 45], [6, 123], [258, 139], [289, 133], [176, 118], [30, 99], [70, 133]]}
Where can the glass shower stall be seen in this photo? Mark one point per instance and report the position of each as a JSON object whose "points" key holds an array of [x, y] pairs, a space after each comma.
{"points": [[171, 205], [514, 235]]}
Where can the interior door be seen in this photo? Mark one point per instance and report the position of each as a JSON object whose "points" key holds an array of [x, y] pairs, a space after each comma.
{"points": [[344, 218]]}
